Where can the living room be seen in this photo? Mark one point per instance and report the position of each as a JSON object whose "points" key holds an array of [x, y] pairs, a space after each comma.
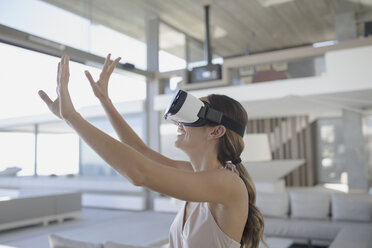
{"points": [[300, 69]]}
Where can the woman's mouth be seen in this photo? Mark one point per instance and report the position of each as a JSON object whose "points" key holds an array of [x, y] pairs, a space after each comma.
{"points": [[180, 131]]}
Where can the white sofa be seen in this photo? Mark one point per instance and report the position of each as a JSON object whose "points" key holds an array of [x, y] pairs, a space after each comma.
{"points": [[335, 219], [101, 192], [38, 206]]}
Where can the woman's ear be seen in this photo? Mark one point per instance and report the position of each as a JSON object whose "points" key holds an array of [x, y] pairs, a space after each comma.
{"points": [[217, 132]]}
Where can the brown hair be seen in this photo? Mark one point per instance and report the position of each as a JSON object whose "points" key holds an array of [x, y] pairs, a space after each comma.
{"points": [[230, 147]]}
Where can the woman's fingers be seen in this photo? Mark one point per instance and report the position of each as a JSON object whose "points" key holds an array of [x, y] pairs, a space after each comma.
{"points": [[67, 60], [90, 78], [65, 63], [107, 61], [64, 74], [45, 97], [113, 65]]}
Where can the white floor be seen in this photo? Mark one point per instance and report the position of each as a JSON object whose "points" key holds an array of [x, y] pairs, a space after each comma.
{"points": [[95, 225]]}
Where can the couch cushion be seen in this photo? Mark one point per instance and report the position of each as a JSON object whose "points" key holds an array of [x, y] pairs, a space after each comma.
{"points": [[354, 207], [56, 241], [301, 228], [310, 205], [273, 204]]}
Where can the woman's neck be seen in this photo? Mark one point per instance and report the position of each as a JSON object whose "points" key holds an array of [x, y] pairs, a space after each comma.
{"points": [[204, 160]]}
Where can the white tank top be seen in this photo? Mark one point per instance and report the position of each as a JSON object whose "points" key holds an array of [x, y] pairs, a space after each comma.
{"points": [[200, 229]]}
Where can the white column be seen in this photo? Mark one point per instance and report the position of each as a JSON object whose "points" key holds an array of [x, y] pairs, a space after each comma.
{"points": [[152, 89]]}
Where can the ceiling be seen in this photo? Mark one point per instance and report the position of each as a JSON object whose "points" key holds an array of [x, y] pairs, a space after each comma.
{"points": [[237, 26]]}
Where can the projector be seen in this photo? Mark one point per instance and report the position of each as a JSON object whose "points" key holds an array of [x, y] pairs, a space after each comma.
{"points": [[209, 72]]}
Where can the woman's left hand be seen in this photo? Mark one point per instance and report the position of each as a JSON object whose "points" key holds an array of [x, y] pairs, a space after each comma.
{"points": [[62, 106]]}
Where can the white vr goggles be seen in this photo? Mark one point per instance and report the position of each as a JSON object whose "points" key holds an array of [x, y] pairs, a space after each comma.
{"points": [[191, 111]]}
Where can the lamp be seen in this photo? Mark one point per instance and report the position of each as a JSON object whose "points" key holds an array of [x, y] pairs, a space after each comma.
{"points": [[256, 148]]}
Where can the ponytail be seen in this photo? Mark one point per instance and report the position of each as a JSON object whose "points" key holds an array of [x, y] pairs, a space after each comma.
{"points": [[254, 227]]}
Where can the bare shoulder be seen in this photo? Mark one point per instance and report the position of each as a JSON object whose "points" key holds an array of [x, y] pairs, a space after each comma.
{"points": [[234, 184]]}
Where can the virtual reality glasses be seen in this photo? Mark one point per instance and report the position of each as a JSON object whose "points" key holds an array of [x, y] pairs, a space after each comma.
{"points": [[191, 111]]}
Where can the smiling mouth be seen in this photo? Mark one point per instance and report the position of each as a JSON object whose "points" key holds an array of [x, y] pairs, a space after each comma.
{"points": [[180, 131]]}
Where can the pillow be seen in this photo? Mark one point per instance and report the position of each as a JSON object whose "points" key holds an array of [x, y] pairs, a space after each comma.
{"points": [[273, 204], [357, 207], [110, 244], [310, 205], [56, 241]]}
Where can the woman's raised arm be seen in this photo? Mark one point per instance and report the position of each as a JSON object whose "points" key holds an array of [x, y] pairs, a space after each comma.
{"points": [[124, 131]]}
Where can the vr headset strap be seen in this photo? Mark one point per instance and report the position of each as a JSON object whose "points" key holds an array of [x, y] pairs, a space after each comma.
{"points": [[218, 117], [233, 125]]}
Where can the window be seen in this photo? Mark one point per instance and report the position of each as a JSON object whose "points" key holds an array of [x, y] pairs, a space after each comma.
{"points": [[38, 71], [71, 29], [17, 150], [20, 99], [329, 150], [105, 40], [58, 154], [24, 72], [61, 26]]}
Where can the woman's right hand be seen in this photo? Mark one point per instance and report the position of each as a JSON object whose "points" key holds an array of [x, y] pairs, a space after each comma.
{"points": [[100, 87]]}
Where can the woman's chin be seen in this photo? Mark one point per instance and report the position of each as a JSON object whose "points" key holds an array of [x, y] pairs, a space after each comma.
{"points": [[177, 143]]}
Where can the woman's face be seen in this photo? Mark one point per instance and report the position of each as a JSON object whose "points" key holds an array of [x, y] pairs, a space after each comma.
{"points": [[190, 138]]}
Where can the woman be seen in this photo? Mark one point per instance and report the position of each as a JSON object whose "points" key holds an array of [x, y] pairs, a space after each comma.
{"points": [[220, 196]]}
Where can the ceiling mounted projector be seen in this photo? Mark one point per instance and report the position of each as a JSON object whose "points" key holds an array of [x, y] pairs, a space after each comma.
{"points": [[210, 71]]}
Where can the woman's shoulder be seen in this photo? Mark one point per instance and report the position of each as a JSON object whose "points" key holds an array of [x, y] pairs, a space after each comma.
{"points": [[233, 180]]}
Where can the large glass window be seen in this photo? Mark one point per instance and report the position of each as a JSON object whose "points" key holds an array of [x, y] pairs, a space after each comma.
{"points": [[17, 150], [47, 21], [24, 72], [58, 154], [105, 40], [329, 150], [71, 29]]}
